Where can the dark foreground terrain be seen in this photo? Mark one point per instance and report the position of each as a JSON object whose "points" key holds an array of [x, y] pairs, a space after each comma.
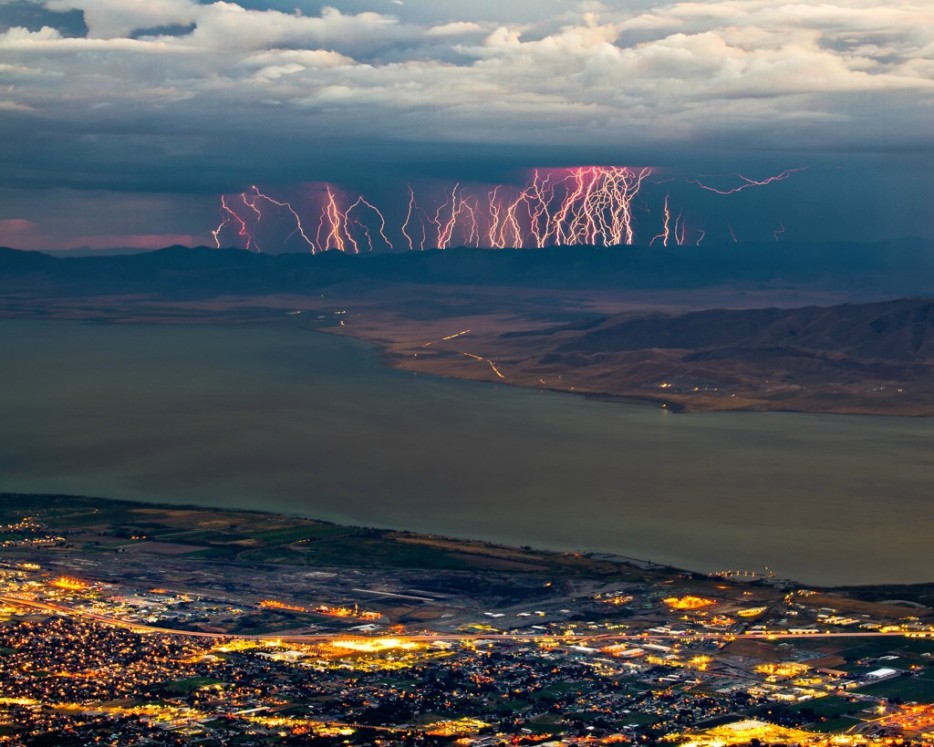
{"points": [[127, 623]]}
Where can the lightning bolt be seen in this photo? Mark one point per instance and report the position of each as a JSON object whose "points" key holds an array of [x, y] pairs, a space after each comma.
{"points": [[747, 183], [230, 216], [679, 228], [299, 228], [226, 213], [408, 218], [382, 221], [331, 224], [583, 205], [666, 225]]}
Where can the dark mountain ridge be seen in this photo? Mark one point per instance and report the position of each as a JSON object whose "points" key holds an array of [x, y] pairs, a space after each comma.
{"points": [[858, 358], [901, 330], [892, 268], [569, 318]]}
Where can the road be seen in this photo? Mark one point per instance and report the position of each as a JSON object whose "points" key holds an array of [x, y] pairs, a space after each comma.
{"points": [[434, 637]]}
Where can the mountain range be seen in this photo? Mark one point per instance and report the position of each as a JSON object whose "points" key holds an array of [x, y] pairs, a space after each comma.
{"points": [[579, 319]]}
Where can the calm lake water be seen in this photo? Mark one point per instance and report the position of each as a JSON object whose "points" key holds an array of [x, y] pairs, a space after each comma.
{"points": [[285, 419]]}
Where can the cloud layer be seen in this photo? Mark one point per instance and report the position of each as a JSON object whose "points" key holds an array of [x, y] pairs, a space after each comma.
{"points": [[176, 94]]}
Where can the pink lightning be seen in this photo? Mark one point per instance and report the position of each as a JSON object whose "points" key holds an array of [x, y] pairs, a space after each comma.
{"points": [[231, 216], [585, 205], [666, 226], [338, 227], [679, 228], [747, 182], [362, 202], [299, 229]]}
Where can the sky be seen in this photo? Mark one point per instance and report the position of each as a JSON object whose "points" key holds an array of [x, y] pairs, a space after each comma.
{"points": [[123, 122]]}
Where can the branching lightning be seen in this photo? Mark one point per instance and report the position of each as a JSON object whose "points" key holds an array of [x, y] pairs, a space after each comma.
{"points": [[230, 216], [564, 207], [586, 205], [666, 225], [299, 228], [746, 182]]}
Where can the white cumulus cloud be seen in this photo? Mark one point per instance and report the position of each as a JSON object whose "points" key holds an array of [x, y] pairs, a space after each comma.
{"points": [[165, 77]]}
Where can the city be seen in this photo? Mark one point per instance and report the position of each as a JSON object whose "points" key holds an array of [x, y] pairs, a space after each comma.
{"points": [[475, 374], [465, 643]]}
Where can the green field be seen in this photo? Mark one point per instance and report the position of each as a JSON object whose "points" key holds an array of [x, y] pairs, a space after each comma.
{"points": [[831, 706], [255, 536], [907, 689], [189, 685]]}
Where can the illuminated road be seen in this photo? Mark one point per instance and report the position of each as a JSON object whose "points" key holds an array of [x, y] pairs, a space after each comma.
{"points": [[484, 360], [445, 339], [447, 637]]}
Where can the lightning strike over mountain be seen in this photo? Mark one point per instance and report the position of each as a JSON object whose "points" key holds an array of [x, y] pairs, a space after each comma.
{"points": [[585, 205], [228, 216], [299, 229], [666, 225]]}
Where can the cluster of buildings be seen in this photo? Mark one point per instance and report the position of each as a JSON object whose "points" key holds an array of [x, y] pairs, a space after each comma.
{"points": [[82, 660], [162, 647]]}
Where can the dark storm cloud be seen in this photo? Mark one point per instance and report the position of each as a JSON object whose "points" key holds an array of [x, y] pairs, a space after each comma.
{"points": [[177, 95]]}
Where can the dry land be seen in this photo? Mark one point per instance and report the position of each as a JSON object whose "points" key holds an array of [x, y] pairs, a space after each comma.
{"points": [[677, 349]]}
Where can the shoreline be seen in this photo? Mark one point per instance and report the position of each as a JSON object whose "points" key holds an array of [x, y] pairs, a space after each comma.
{"points": [[501, 337], [467, 543], [677, 406], [690, 530]]}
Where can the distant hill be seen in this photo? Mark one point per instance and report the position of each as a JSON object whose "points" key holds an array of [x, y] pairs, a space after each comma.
{"points": [[901, 330], [550, 318], [894, 268], [871, 357]]}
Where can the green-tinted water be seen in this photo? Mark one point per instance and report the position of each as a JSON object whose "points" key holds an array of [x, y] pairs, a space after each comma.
{"points": [[284, 419]]}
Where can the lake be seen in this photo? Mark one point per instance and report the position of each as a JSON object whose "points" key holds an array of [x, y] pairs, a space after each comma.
{"points": [[282, 418]]}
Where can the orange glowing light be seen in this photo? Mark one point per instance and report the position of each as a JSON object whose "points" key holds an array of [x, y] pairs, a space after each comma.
{"points": [[455, 728], [69, 584], [324, 609], [276, 605], [619, 600], [688, 602], [374, 645], [783, 669], [744, 732]]}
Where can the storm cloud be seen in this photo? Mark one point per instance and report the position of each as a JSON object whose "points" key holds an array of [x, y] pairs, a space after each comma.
{"points": [[175, 96]]}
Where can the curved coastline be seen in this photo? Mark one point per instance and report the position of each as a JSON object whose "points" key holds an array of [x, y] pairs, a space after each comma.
{"points": [[513, 466]]}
